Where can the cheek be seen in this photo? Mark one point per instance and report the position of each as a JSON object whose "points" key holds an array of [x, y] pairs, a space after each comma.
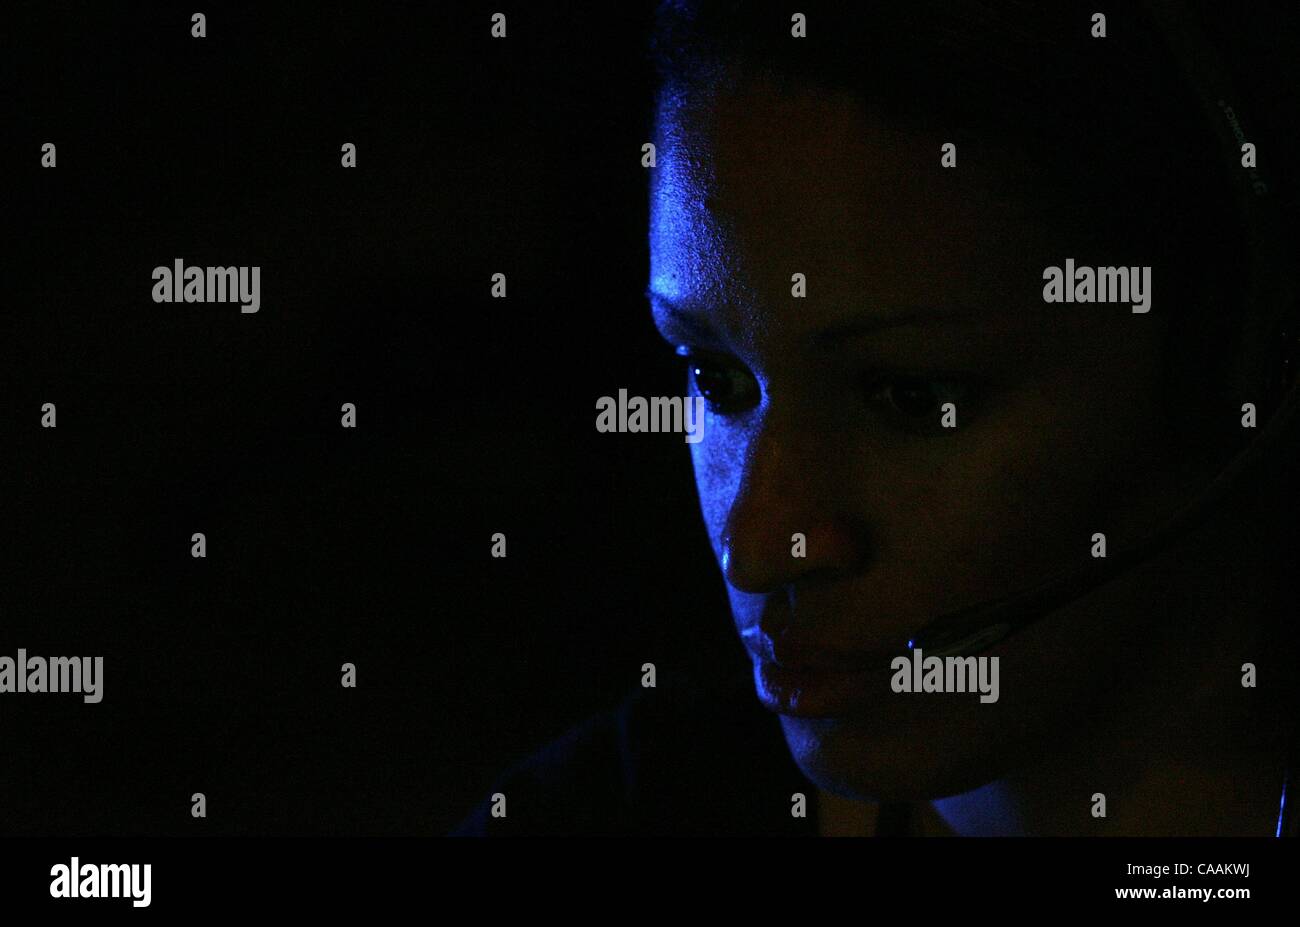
{"points": [[1021, 494]]}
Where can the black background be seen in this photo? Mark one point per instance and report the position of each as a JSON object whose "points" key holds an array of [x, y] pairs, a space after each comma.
{"points": [[329, 545]]}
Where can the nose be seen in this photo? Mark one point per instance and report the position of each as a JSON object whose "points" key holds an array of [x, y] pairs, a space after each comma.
{"points": [[788, 486]]}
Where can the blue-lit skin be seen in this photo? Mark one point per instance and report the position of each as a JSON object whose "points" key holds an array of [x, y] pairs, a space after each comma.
{"points": [[809, 431]]}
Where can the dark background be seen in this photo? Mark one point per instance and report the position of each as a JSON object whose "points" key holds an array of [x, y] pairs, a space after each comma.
{"points": [[326, 545]]}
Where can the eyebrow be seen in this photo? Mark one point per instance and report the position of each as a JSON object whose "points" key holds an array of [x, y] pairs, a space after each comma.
{"points": [[691, 322]]}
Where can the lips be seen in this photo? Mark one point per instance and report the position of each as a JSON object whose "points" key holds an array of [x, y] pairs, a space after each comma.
{"points": [[795, 678], [813, 693]]}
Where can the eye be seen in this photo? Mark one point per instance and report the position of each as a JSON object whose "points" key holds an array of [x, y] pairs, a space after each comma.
{"points": [[917, 402], [726, 386]]}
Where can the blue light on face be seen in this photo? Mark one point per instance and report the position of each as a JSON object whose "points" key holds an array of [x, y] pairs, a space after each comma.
{"points": [[688, 257]]}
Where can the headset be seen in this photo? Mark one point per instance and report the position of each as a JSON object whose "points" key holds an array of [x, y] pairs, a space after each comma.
{"points": [[1270, 315]]}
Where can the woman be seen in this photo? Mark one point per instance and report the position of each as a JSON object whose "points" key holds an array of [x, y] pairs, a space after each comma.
{"points": [[850, 234]]}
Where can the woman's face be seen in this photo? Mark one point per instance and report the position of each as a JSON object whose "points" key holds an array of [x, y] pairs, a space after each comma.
{"points": [[924, 287]]}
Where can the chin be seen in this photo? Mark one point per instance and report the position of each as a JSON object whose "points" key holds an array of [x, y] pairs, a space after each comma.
{"points": [[857, 760]]}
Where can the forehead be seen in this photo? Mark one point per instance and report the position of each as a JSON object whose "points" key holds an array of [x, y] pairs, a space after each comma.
{"points": [[755, 182]]}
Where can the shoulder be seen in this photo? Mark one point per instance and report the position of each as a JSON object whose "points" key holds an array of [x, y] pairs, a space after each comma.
{"points": [[701, 761]]}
